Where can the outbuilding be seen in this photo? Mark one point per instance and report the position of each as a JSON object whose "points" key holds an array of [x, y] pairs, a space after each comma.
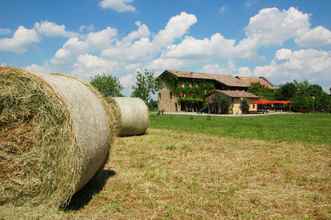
{"points": [[235, 97]]}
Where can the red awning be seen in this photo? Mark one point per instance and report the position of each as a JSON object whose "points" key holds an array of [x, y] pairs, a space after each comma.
{"points": [[270, 102]]}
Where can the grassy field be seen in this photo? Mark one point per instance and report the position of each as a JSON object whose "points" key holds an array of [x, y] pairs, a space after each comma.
{"points": [[306, 128], [175, 174]]}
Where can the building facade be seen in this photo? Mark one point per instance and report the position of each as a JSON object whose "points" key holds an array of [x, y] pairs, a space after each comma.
{"points": [[193, 92]]}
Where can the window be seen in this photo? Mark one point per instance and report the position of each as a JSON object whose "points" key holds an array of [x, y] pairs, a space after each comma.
{"points": [[170, 95], [159, 95]]}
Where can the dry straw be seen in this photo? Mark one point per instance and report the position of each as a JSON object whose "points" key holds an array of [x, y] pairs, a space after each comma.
{"points": [[55, 134], [132, 114]]}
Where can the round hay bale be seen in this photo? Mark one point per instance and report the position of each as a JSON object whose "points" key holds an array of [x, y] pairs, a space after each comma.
{"points": [[132, 114], [55, 134]]}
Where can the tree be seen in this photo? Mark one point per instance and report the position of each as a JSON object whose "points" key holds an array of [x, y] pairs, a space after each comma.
{"points": [[286, 91], [244, 106], [302, 103], [108, 85], [146, 86], [310, 98], [262, 91]]}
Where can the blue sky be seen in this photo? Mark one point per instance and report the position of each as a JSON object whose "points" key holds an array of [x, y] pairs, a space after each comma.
{"points": [[282, 40]]}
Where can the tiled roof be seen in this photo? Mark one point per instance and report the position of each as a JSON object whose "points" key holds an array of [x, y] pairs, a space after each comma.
{"points": [[236, 94], [228, 80]]}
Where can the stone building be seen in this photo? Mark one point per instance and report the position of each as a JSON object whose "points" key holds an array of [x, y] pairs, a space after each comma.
{"points": [[193, 92]]}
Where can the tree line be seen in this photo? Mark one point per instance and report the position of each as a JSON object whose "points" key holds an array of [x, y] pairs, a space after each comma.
{"points": [[304, 96]]}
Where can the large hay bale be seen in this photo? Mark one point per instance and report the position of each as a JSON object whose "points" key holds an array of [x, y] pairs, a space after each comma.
{"points": [[55, 134], [132, 114]]}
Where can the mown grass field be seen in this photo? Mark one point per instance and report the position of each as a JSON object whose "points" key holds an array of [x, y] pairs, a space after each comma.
{"points": [[198, 169]]}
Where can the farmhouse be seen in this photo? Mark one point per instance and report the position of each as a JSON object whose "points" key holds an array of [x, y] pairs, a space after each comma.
{"points": [[195, 92]]}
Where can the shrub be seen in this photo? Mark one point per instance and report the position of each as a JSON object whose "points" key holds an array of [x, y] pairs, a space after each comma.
{"points": [[244, 106]]}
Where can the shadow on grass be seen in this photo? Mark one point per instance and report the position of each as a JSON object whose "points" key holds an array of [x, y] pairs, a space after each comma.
{"points": [[83, 197]]}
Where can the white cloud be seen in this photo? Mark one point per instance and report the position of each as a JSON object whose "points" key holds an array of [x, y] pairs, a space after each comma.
{"points": [[214, 68], [4, 31], [102, 39], [87, 65], [272, 26], [128, 80], [141, 32], [306, 64], [160, 64], [217, 47], [70, 50], [117, 5], [51, 29], [137, 46], [22, 39], [269, 27], [176, 28], [316, 37], [173, 47], [45, 68], [283, 54]]}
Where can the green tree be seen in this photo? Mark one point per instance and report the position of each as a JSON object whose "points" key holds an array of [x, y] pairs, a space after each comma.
{"points": [[310, 98], [146, 87], [261, 91], [286, 91], [244, 106], [108, 85], [302, 103]]}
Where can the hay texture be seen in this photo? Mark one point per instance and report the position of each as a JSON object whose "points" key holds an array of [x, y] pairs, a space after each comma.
{"points": [[132, 114], [54, 136]]}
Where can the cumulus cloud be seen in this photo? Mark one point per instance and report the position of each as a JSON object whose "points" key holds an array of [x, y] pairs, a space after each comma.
{"points": [[87, 65], [305, 64], [273, 26], [70, 50], [172, 47], [102, 39], [141, 32], [20, 41], [51, 29], [104, 51], [137, 46], [24, 38], [317, 37], [176, 28], [118, 5]]}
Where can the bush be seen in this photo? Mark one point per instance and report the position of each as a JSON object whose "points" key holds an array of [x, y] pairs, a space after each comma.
{"points": [[244, 106]]}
